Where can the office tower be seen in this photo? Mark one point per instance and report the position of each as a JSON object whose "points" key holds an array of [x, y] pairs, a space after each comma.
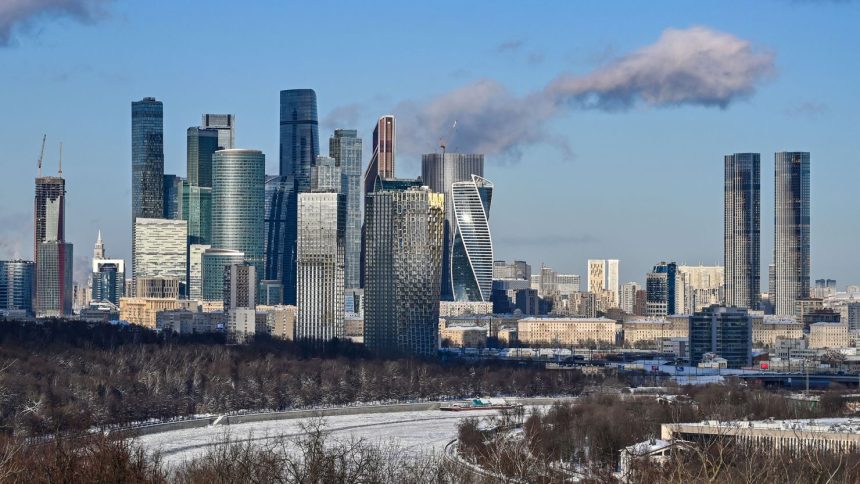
{"points": [[596, 276], [320, 265], [726, 332], [382, 157], [54, 279], [345, 147], [197, 211], [440, 171], [325, 175], [403, 239], [225, 125], [238, 178], [195, 270], [49, 211], [627, 297], [660, 288], [147, 158], [299, 148], [472, 249], [279, 263], [240, 286], [791, 230], [703, 287], [17, 286], [742, 230], [612, 280], [213, 262], [107, 281], [201, 144], [160, 249], [173, 197]]}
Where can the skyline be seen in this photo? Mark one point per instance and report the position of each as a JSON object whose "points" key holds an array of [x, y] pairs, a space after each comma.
{"points": [[638, 224]]}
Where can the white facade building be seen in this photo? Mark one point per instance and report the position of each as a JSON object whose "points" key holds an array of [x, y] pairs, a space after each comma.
{"points": [[612, 281], [195, 270], [160, 248], [596, 276]]}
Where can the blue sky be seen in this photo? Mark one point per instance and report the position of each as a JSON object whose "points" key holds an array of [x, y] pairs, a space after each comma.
{"points": [[599, 171]]}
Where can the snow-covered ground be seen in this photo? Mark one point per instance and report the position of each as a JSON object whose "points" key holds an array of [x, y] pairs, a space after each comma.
{"points": [[416, 431]]}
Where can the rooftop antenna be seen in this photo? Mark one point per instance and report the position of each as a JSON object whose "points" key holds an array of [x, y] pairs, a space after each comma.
{"points": [[42, 154], [61, 159]]}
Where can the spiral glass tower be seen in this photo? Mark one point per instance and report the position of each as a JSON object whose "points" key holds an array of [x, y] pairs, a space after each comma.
{"points": [[472, 250]]}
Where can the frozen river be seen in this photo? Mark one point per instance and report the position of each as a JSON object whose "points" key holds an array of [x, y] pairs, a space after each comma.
{"points": [[416, 431]]}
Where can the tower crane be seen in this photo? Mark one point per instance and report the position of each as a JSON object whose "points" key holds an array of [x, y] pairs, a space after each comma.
{"points": [[42, 154]]}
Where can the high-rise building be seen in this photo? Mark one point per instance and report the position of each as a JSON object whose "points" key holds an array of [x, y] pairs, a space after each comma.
{"points": [[440, 171], [240, 286], [17, 285], [661, 287], [627, 297], [320, 261], [107, 281], [213, 262], [403, 239], [197, 211], [472, 249], [791, 230], [279, 262], [201, 144], [195, 270], [54, 279], [382, 157], [160, 249], [612, 280], [596, 276], [345, 148], [147, 162], [50, 210], [299, 148], [726, 332], [515, 270], [172, 192], [238, 178], [225, 124], [742, 230], [703, 287]]}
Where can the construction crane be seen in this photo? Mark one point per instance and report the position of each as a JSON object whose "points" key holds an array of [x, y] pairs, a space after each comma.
{"points": [[61, 159], [447, 139], [42, 154]]}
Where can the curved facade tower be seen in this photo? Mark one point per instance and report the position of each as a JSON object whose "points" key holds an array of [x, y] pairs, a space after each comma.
{"points": [[238, 180], [472, 249]]}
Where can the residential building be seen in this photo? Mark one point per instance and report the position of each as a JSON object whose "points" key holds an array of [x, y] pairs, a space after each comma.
{"points": [[463, 337], [627, 300], [653, 330], [440, 171], [281, 321], [596, 276], [184, 321], [345, 148], [726, 332], [403, 238], [768, 330], [195, 270], [661, 290], [54, 279], [562, 332], [240, 286], [160, 249], [17, 286], [459, 308], [144, 311], [791, 230], [828, 335], [612, 282], [702, 287], [157, 287], [742, 230]]}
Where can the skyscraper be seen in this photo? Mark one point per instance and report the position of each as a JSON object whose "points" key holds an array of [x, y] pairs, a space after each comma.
{"points": [[279, 193], [627, 297], [299, 148], [472, 250], [225, 124], [240, 286], [197, 211], [612, 280], [403, 238], [596, 275], [160, 249], [791, 230], [440, 171], [238, 178], [382, 158], [50, 209], [147, 162], [345, 147], [214, 261], [195, 270], [320, 265], [17, 285], [661, 286], [173, 196], [54, 279], [201, 144], [107, 281], [742, 230]]}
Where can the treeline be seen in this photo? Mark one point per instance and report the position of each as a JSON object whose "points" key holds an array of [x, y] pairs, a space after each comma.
{"points": [[66, 376], [585, 437]]}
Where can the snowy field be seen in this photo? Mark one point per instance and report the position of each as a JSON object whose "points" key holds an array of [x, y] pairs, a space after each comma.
{"points": [[414, 431]]}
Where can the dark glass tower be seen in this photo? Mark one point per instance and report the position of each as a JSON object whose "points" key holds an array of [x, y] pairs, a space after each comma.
{"points": [[345, 148], [660, 287], [202, 144], [299, 149], [17, 285], [791, 230], [742, 230], [147, 158], [440, 171]]}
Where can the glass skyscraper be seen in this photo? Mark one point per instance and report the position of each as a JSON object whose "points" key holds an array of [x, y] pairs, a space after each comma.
{"points": [[17, 283], [197, 211], [403, 239], [173, 197], [345, 148], [382, 157], [660, 289], [299, 147], [213, 262], [201, 144], [147, 158], [225, 124], [472, 250], [742, 230], [440, 171], [54, 279], [238, 178], [791, 230]]}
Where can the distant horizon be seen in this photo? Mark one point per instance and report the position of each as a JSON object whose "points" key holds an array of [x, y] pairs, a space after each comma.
{"points": [[597, 146]]}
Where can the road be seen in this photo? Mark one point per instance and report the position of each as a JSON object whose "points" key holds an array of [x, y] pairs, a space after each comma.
{"points": [[414, 431]]}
